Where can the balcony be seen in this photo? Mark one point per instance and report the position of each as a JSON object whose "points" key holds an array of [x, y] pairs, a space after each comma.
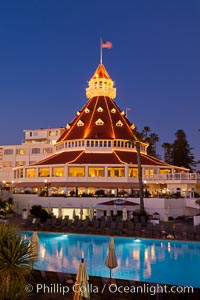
{"points": [[173, 177]]}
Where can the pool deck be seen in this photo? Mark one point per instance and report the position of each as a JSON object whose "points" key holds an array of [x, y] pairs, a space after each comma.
{"points": [[99, 287]]}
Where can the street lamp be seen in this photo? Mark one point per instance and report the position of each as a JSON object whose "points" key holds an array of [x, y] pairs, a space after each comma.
{"points": [[46, 186], [145, 188]]}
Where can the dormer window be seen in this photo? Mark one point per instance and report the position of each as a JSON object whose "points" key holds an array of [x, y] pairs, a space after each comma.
{"points": [[113, 111], [78, 113], [80, 123], [100, 109], [119, 123], [122, 113], [132, 126], [87, 110], [67, 126], [99, 122]]}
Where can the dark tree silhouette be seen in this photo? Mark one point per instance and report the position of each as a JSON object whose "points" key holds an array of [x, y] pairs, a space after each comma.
{"points": [[168, 152], [182, 155]]}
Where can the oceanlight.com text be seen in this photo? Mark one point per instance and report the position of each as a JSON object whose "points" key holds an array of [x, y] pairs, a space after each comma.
{"points": [[113, 288]]}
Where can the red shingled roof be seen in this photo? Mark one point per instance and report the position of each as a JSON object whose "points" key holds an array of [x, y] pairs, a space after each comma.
{"points": [[131, 158], [116, 157], [60, 158], [99, 108], [97, 158]]}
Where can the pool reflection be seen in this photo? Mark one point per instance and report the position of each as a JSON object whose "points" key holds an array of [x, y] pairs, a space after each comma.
{"points": [[144, 260]]}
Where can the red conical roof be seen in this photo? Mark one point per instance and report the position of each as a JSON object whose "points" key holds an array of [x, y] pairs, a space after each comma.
{"points": [[100, 118]]}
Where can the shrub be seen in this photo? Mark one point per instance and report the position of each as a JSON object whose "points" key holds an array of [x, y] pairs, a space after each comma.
{"points": [[38, 212]]}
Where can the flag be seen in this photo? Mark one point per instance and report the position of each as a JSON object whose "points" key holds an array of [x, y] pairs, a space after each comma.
{"points": [[106, 45]]}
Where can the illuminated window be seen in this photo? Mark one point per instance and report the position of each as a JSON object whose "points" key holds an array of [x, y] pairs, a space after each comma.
{"points": [[100, 109], [119, 123], [20, 151], [99, 122], [7, 164], [76, 172], [113, 111], [80, 123], [58, 172], [47, 150], [44, 172], [20, 163], [116, 172], [96, 172], [133, 172], [164, 171], [149, 172], [87, 110], [30, 173]]}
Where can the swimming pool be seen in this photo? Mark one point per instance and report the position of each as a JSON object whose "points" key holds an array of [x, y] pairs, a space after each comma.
{"points": [[160, 261]]}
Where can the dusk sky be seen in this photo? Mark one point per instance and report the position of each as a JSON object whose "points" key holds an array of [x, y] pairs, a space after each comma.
{"points": [[49, 49]]}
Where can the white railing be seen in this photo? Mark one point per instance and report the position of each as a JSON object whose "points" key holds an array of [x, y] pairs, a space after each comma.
{"points": [[173, 177]]}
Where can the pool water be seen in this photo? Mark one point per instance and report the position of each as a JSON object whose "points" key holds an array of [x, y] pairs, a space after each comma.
{"points": [[160, 261]]}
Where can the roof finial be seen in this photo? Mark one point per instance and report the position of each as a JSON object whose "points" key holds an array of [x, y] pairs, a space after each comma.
{"points": [[100, 50]]}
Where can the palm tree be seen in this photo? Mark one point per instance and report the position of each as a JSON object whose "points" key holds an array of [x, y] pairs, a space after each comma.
{"points": [[146, 130], [154, 138], [137, 139], [16, 261]]}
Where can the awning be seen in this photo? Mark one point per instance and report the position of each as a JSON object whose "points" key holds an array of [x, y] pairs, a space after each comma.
{"points": [[99, 185]]}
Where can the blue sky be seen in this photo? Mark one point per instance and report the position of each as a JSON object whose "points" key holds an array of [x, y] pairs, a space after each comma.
{"points": [[49, 49]]}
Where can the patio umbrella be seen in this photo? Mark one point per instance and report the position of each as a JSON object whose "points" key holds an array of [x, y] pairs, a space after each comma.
{"points": [[60, 211], [49, 209], [108, 213], [81, 287], [34, 240], [115, 210], [124, 214], [111, 260], [81, 212], [74, 214], [91, 215]]}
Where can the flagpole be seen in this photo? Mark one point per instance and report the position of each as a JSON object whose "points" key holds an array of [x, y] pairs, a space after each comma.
{"points": [[100, 50]]}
